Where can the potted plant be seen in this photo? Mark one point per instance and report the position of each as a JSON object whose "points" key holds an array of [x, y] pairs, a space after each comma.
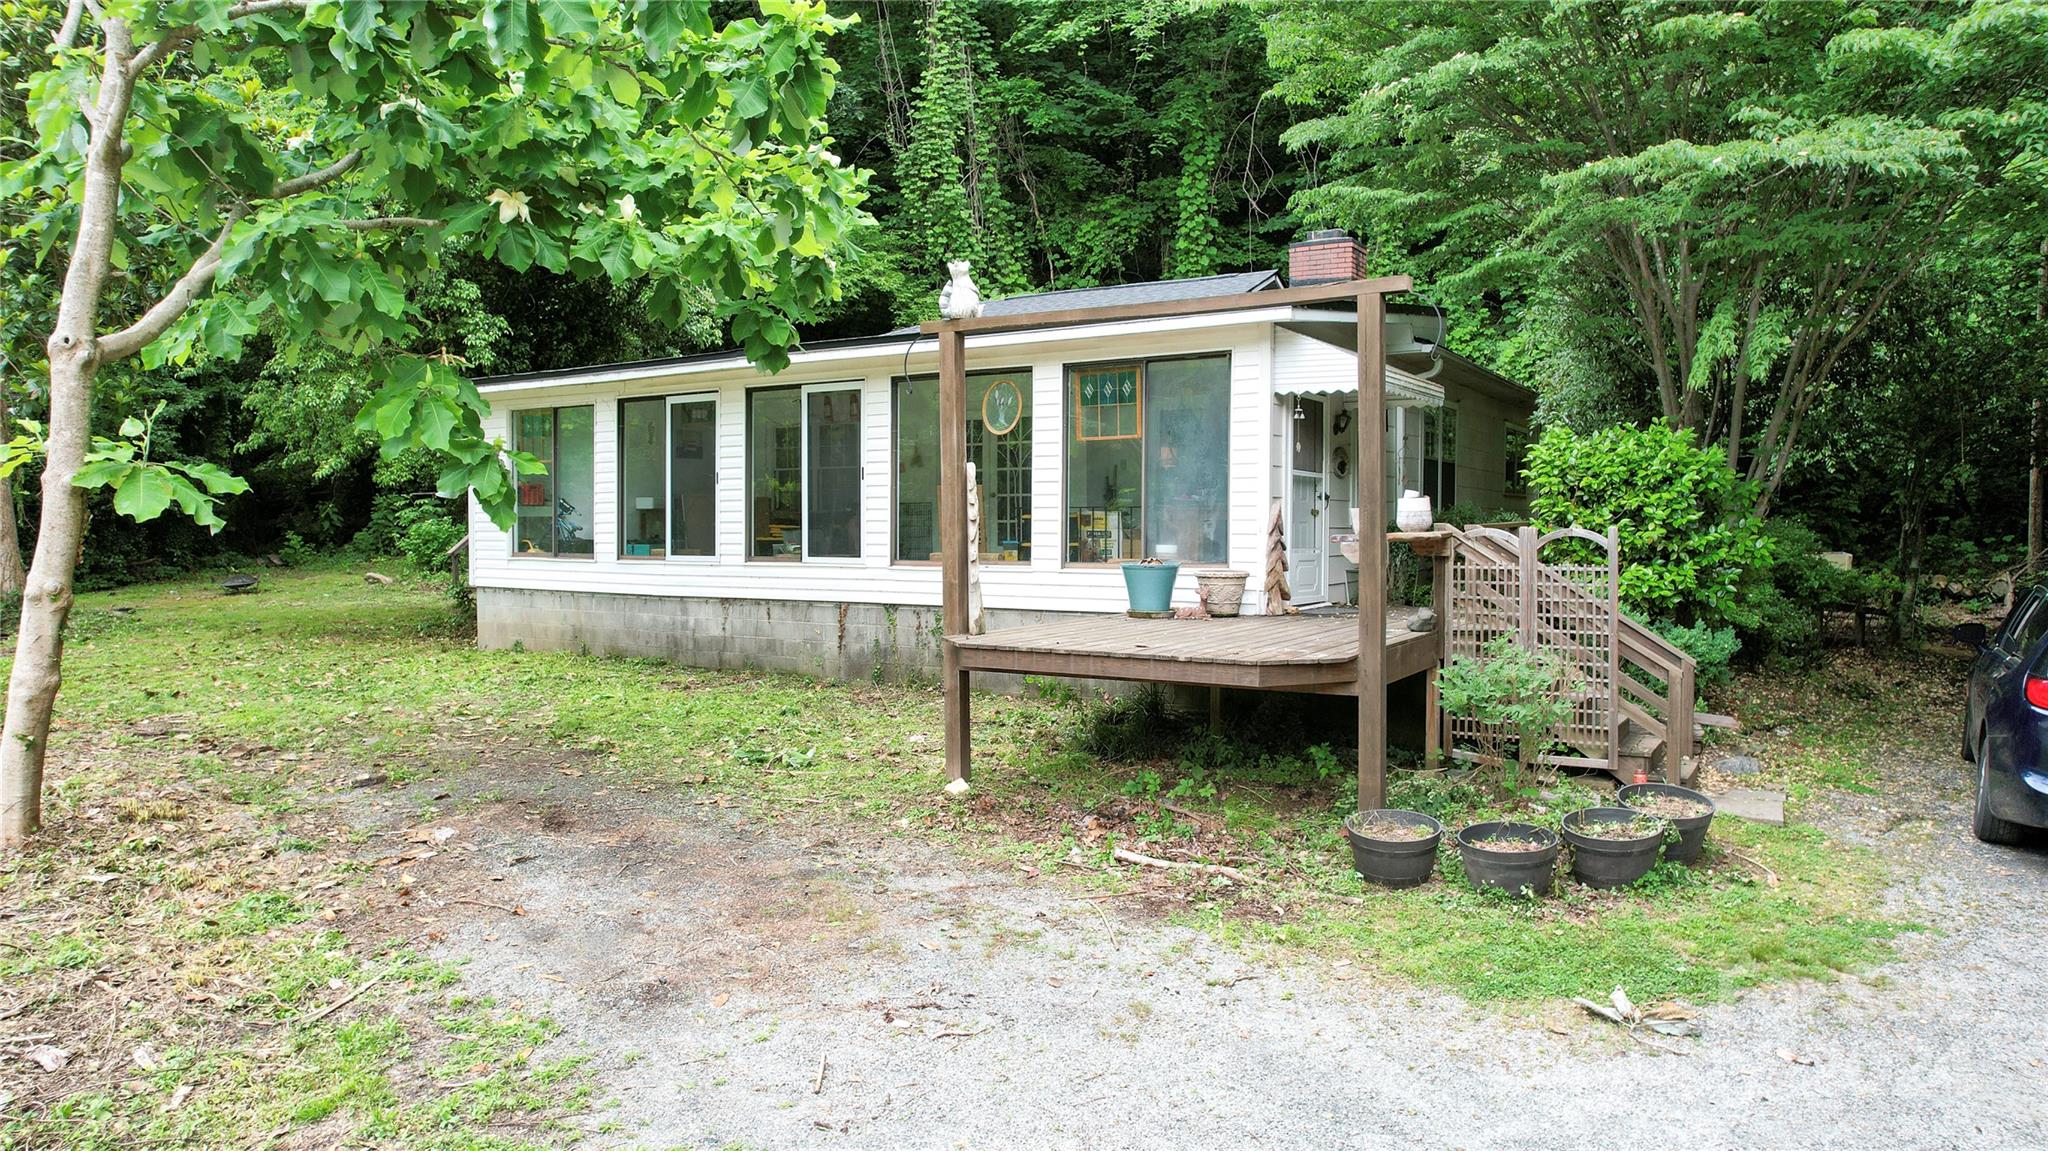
{"points": [[1392, 847], [1613, 846], [1518, 858], [1149, 582], [1686, 810]]}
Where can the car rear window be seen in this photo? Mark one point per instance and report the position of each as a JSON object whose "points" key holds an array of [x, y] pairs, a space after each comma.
{"points": [[2026, 625]]}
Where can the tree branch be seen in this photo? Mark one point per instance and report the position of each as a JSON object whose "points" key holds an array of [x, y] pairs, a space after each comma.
{"points": [[166, 311], [67, 35], [178, 38], [315, 178], [389, 223]]}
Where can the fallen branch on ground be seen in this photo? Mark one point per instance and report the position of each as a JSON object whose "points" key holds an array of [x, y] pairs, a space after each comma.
{"points": [[1129, 856], [345, 1000], [1769, 875]]}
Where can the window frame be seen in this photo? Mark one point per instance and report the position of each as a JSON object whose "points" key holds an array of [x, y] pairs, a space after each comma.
{"points": [[669, 401], [553, 462], [1023, 377], [1069, 436], [858, 387], [860, 531]]}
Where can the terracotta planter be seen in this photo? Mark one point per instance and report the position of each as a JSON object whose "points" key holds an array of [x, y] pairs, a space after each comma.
{"points": [[1223, 591]]}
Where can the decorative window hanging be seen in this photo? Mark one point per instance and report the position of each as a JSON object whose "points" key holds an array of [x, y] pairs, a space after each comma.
{"points": [[1109, 402]]}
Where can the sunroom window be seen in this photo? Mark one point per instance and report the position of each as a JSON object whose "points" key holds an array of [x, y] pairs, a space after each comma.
{"points": [[804, 472], [668, 477], [1148, 460], [999, 446], [554, 509]]}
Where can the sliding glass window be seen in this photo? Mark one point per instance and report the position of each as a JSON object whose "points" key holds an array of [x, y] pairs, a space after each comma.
{"points": [[554, 508], [804, 472], [668, 476], [999, 446], [1148, 460]]}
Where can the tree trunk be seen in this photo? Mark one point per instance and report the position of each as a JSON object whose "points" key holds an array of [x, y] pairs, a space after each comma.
{"points": [[10, 530], [46, 602], [74, 360]]}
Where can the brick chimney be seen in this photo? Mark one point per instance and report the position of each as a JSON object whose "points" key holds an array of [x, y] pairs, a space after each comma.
{"points": [[1326, 257]]}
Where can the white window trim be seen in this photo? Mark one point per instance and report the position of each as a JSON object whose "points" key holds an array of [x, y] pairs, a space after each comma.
{"points": [[804, 465], [554, 464]]}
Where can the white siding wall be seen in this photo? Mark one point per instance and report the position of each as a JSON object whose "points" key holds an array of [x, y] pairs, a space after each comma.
{"points": [[1045, 584]]}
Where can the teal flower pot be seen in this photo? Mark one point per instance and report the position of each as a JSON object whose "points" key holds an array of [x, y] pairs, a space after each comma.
{"points": [[1150, 587]]}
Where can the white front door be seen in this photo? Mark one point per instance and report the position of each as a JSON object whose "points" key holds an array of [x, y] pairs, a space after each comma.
{"points": [[1308, 528]]}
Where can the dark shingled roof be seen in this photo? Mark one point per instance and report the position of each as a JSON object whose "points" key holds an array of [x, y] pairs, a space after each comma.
{"points": [[1150, 292]]}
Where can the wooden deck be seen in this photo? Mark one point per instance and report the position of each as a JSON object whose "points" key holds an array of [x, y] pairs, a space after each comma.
{"points": [[1307, 653]]}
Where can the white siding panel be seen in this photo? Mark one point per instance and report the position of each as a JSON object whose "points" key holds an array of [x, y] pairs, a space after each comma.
{"points": [[1045, 584]]}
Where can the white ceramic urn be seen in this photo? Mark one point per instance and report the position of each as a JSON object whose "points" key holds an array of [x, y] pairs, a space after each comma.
{"points": [[1413, 512]]}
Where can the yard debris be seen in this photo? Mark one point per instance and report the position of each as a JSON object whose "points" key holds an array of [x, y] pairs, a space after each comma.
{"points": [[146, 1058], [1128, 856], [1673, 1019], [1795, 1058], [378, 578], [368, 779], [46, 1057]]}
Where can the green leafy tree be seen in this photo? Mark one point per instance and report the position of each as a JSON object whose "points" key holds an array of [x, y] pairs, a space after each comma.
{"points": [[1747, 183], [1690, 543], [311, 162]]}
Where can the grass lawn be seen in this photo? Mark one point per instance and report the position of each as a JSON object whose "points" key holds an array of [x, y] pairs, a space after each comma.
{"points": [[194, 846]]}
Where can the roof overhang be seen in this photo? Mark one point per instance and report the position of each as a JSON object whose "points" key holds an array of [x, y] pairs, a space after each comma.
{"points": [[894, 348]]}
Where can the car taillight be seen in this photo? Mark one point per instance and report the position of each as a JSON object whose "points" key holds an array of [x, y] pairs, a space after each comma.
{"points": [[2037, 691]]}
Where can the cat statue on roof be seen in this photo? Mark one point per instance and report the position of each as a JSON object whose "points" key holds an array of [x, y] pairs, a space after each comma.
{"points": [[959, 299]]}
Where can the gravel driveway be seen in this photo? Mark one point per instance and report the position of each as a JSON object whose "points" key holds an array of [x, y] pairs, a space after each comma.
{"points": [[740, 987]]}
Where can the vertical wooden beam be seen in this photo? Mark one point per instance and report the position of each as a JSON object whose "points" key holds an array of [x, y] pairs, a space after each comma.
{"points": [[953, 543], [1372, 550], [1440, 600]]}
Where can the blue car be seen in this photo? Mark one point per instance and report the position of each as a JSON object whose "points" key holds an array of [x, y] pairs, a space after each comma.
{"points": [[2005, 724]]}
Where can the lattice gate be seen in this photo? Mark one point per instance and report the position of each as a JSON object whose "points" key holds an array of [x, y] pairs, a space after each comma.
{"points": [[1499, 585]]}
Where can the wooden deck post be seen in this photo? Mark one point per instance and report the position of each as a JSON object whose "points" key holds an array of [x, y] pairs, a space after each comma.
{"points": [[1372, 550], [953, 544]]}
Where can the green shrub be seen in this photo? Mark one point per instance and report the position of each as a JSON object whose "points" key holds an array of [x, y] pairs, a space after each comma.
{"points": [[1713, 648], [1523, 692], [425, 542], [1691, 546]]}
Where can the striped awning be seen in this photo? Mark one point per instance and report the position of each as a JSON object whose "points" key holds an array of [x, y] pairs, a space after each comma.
{"points": [[1404, 389]]}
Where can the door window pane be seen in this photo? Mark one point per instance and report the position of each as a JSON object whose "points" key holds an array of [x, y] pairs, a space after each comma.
{"points": [[1002, 460], [693, 477], [643, 467], [775, 473], [832, 473], [1187, 459], [554, 509]]}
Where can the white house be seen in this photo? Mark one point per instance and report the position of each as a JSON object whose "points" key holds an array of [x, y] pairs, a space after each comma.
{"points": [[699, 510]]}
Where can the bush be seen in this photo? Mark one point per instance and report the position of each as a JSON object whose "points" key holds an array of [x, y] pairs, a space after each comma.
{"points": [[425, 542], [1712, 648], [1691, 547], [1522, 692]]}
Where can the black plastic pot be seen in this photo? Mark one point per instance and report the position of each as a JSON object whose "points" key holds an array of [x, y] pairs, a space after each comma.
{"points": [[1611, 862], [1692, 830], [1515, 872], [1394, 862]]}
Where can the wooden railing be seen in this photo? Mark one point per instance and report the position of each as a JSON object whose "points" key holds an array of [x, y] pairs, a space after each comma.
{"points": [[1649, 682], [1662, 707]]}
